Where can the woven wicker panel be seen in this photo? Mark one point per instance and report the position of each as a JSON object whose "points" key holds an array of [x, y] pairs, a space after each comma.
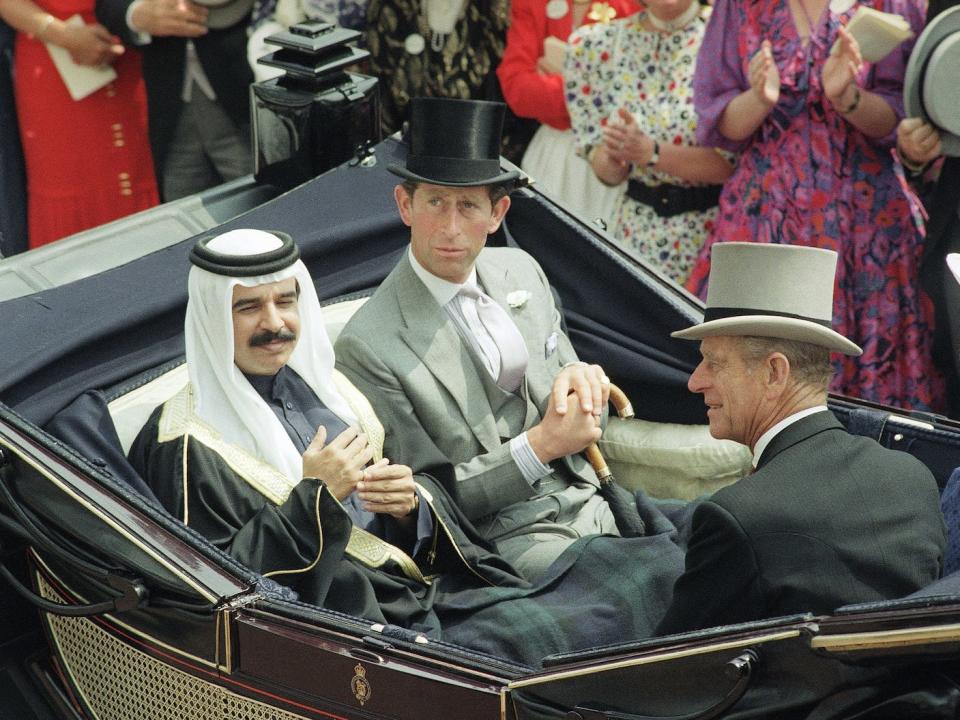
{"points": [[119, 682]]}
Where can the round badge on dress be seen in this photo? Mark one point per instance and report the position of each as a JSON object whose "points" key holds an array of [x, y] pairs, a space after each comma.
{"points": [[839, 7], [414, 44], [556, 9]]}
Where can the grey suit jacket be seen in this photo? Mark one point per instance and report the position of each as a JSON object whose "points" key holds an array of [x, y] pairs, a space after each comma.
{"points": [[828, 519], [405, 354]]}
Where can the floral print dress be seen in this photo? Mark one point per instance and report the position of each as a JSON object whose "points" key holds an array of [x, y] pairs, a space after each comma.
{"points": [[809, 177], [621, 64]]}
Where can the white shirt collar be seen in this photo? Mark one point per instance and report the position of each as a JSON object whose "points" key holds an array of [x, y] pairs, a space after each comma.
{"points": [[780, 427], [443, 291]]}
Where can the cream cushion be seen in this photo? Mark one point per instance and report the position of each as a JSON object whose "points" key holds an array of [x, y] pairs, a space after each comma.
{"points": [[667, 460]]}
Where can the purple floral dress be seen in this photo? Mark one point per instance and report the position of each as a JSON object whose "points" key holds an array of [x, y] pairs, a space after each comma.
{"points": [[808, 177]]}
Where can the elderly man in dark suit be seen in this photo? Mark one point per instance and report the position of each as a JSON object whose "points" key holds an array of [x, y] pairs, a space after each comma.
{"points": [[827, 518]]}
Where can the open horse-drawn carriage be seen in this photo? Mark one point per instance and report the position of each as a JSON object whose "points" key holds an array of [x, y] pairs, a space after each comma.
{"points": [[142, 618]]}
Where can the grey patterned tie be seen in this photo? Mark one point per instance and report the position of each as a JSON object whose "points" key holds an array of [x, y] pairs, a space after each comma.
{"points": [[509, 344]]}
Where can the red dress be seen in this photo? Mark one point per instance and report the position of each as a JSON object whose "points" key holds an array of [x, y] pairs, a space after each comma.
{"points": [[529, 92], [88, 161]]}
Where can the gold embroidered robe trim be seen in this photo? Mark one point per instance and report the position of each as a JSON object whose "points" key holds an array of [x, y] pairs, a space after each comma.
{"points": [[178, 419]]}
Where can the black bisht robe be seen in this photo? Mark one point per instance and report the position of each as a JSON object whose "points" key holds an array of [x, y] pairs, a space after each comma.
{"points": [[601, 591]]}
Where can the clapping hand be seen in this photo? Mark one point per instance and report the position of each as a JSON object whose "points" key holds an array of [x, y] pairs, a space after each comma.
{"points": [[625, 142], [764, 75], [340, 462], [388, 489], [547, 67], [840, 70]]}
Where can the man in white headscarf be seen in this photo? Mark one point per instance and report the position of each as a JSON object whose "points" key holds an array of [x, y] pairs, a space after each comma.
{"points": [[266, 422]]}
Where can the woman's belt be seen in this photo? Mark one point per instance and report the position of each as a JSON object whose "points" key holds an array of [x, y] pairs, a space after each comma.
{"points": [[668, 200]]}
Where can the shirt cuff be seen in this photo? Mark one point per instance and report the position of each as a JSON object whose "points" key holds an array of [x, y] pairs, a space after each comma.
{"points": [[140, 38], [526, 459], [424, 525]]}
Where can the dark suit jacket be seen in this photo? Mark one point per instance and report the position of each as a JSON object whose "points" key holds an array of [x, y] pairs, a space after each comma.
{"points": [[222, 53], [828, 519]]}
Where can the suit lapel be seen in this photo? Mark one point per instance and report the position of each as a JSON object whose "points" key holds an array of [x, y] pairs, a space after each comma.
{"points": [[430, 334], [798, 432]]}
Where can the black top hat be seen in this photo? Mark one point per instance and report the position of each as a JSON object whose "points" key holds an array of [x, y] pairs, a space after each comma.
{"points": [[455, 142]]}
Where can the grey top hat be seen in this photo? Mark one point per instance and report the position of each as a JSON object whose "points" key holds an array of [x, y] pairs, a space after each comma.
{"points": [[930, 82], [768, 290], [225, 13], [455, 142]]}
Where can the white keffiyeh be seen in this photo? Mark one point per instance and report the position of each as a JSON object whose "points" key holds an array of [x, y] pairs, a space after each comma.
{"points": [[223, 396]]}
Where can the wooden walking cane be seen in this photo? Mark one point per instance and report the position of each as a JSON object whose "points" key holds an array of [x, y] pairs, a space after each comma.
{"points": [[622, 502]]}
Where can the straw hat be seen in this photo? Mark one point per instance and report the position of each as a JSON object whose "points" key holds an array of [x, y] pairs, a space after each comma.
{"points": [[768, 290], [930, 82]]}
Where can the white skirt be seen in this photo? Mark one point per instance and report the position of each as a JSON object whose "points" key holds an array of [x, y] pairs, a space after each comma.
{"points": [[564, 176]]}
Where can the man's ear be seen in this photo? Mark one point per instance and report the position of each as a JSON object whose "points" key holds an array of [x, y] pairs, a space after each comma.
{"points": [[777, 367], [497, 214], [404, 204]]}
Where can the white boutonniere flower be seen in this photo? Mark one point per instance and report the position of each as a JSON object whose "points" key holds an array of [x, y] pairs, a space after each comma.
{"points": [[517, 299]]}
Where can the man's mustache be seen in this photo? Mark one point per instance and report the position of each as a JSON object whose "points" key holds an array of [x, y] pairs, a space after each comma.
{"points": [[268, 337]]}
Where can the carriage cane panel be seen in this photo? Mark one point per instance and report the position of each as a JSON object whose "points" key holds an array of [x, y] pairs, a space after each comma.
{"points": [[119, 682]]}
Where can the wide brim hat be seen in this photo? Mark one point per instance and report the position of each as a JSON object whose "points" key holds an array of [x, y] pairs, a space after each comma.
{"points": [[225, 13], [769, 290], [930, 81], [455, 142]]}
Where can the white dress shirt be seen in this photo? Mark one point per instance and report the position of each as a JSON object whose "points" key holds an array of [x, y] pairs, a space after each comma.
{"points": [[780, 427]]}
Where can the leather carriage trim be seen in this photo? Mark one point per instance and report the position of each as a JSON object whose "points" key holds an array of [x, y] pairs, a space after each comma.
{"points": [[204, 592], [86, 650], [654, 658], [884, 639], [178, 419], [111, 619]]}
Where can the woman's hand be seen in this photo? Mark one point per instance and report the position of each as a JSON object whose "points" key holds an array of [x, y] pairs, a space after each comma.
{"points": [[764, 76], [625, 143], [546, 66], [840, 72], [91, 44]]}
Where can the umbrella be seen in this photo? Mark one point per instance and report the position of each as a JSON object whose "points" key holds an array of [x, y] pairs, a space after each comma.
{"points": [[622, 502]]}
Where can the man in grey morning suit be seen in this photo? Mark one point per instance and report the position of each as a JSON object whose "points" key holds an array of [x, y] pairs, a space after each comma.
{"points": [[462, 347], [828, 518]]}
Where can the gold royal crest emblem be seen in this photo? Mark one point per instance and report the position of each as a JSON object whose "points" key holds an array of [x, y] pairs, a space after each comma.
{"points": [[360, 685]]}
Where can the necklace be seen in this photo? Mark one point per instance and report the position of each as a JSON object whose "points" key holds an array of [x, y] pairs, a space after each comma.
{"points": [[682, 20]]}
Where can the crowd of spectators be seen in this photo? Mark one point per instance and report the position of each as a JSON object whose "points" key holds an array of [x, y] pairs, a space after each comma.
{"points": [[677, 123]]}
